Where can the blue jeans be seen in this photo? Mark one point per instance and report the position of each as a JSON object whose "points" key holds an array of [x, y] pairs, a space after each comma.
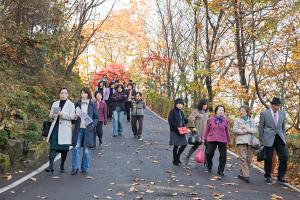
{"points": [[117, 122], [86, 158]]}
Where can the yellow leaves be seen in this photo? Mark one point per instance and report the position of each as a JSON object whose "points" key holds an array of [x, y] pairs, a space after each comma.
{"points": [[276, 197]]}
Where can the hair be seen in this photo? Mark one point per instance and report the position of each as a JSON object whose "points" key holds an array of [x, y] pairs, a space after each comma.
{"points": [[120, 86], [130, 84], [63, 88], [217, 108], [139, 94], [87, 91], [111, 83], [98, 92], [247, 108], [201, 103], [104, 83]]}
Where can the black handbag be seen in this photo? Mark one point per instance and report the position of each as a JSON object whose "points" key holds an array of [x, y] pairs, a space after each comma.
{"points": [[261, 155], [194, 138], [46, 128]]}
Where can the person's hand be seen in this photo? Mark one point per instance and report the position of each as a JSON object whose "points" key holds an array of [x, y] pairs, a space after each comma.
{"points": [[194, 129], [244, 126], [60, 114], [55, 115]]}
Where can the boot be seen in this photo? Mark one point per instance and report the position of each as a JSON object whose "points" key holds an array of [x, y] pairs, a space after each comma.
{"points": [[52, 155]]}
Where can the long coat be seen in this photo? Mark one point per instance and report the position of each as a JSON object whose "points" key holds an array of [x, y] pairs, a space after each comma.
{"points": [[175, 122], [268, 129], [198, 119], [65, 124], [89, 135]]}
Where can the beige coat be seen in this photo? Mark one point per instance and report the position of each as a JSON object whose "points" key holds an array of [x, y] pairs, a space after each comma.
{"points": [[198, 120], [243, 136], [65, 124]]}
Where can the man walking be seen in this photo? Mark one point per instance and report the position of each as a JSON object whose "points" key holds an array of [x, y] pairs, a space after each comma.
{"points": [[272, 136]]}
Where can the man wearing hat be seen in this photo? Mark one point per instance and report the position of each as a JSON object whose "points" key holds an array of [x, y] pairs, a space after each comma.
{"points": [[272, 136]]}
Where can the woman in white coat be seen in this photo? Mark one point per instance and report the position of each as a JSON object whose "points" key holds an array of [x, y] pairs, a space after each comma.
{"points": [[60, 134]]}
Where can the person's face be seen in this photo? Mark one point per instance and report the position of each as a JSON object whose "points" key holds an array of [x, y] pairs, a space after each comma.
{"points": [[129, 87], [101, 84], [120, 89], [63, 95], [220, 111], [243, 112], [112, 86], [179, 106], [84, 95], [99, 96], [204, 107], [138, 97], [275, 107]]}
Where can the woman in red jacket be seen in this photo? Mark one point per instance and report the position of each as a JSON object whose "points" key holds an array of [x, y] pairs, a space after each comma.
{"points": [[216, 135]]}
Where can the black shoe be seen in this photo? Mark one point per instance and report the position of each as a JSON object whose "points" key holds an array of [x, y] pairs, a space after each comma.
{"points": [[179, 161], [246, 179], [49, 169], [62, 170], [175, 162], [209, 170], [269, 180], [221, 173], [281, 180], [84, 172], [74, 172]]}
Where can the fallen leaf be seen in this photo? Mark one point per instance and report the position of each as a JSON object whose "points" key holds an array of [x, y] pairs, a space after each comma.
{"points": [[149, 191], [96, 197], [89, 177], [55, 177], [112, 183], [33, 179], [211, 187], [139, 197], [8, 177], [169, 171], [13, 192], [174, 194], [217, 195], [121, 194], [134, 184], [180, 185], [152, 183], [110, 190], [276, 197], [216, 178], [108, 197], [133, 189]]}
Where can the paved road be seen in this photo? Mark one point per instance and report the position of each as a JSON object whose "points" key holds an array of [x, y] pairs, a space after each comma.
{"points": [[124, 168]]}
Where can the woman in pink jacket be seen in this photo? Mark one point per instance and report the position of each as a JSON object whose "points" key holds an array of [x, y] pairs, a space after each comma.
{"points": [[216, 135]]}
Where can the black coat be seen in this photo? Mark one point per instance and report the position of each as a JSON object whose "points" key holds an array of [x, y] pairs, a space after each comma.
{"points": [[175, 122], [89, 136]]}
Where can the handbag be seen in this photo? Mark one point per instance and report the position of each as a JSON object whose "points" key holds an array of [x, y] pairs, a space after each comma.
{"points": [[200, 155], [194, 139], [46, 128], [261, 155], [183, 130], [254, 142]]}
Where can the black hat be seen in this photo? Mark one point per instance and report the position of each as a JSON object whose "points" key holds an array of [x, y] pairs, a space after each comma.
{"points": [[179, 101], [275, 101]]}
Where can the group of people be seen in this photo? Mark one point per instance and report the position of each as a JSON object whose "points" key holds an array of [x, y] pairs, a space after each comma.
{"points": [[214, 132], [88, 115]]}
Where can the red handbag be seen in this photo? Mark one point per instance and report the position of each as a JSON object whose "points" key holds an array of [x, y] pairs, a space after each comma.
{"points": [[200, 155], [183, 130]]}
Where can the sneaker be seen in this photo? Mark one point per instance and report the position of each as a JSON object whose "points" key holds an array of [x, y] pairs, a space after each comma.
{"points": [[269, 180], [175, 162]]}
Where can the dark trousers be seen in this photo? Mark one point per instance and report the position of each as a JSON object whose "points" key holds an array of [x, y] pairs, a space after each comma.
{"points": [[109, 110], [210, 151], [192, 150], [99, 131], [177, 151], [52, 155], [282, 154], [137, 124], [128, 106]]}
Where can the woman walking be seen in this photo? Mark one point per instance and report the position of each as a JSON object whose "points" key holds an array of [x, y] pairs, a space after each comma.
{"points": [[137, 115], [118, 108], [102, 113], [128, 103], [110, 91], [60, 133], [101, 87], [176, 120], [197, 120], [244, 128], [84, 134], [216, 135]]}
